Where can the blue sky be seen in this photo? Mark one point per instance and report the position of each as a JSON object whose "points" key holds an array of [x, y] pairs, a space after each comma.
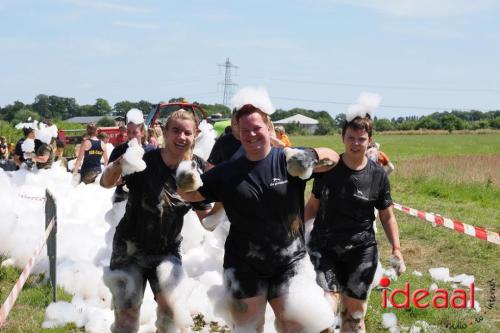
{"points": [[420, 55]]}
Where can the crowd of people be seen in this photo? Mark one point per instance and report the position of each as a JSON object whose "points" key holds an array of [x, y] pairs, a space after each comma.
{"points": [[31, 151], [255, 175]]}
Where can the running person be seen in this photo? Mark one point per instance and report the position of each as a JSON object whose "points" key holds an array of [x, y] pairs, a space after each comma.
{"points": [[89, 156], [342, 244], [264, 204], [149, 232]]}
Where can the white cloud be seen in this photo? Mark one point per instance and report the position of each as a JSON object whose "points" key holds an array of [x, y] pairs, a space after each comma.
{"points": [[423, 8], [109, 6]]}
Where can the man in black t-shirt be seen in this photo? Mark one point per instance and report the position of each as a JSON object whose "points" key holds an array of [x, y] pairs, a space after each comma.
{"points": [[149, 234], [342, 245], [264, 204], [226, 145]]}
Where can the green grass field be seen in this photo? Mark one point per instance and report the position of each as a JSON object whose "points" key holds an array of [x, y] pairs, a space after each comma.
{"points": [[455, 175]]}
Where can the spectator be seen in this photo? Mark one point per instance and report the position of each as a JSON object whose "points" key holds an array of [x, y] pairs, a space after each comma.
{"points": [[135, 130], [376, 155], [281, 135], [104, 137], [152, 138], [19, 158], [122, 135], [159, 136], [59, 155], [44, 154], [4, 149]]}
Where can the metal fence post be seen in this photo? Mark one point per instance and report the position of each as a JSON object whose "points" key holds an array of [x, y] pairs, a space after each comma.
{"points": [[51, 213]]}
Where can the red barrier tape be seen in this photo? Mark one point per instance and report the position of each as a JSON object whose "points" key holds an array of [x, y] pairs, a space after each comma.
{"points": [[477, 232], [11, 299]]}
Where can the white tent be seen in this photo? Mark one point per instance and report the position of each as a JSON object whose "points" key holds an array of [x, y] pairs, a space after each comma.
{"points": [[309, 124]]}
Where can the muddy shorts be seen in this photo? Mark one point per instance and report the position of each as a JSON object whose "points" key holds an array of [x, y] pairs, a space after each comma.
{"points": [[133, 271], [242, 281], [350, 273]]}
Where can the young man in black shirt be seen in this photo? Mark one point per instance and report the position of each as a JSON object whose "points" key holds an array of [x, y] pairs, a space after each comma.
{"points": [[149, 232], [226, 146], [342, 245], [264, 204]]}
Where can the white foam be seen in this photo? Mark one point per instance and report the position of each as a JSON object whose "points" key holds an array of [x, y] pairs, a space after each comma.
{"points": [[257, 96], [440, 274]]}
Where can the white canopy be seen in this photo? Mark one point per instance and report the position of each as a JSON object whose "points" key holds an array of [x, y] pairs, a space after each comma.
{"points": [[298, 118]]}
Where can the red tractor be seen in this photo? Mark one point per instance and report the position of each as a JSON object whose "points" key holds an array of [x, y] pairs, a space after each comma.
{"points": [[156, 117]]}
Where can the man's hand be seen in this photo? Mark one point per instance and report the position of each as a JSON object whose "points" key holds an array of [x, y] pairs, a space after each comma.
{"points": [[397, 262], [299, 162], [187, 177]]}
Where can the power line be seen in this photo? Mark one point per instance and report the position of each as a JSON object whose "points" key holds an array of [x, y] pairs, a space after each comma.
{"points": [[343, 84], [228, 83], [188, 80], [434, 108]]}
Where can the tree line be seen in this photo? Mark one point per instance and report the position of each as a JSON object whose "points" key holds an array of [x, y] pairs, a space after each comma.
{"points": [[61, 108]]}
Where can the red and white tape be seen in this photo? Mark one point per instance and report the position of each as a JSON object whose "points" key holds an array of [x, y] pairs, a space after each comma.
{"points": [[478, 232], [11, 299]]}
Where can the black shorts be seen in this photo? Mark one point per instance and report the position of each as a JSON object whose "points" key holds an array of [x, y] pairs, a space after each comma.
{"points": [[350, 272], [145, 264], [243, 281]]}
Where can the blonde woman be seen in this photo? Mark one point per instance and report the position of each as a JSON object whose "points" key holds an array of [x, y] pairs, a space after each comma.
{"points": [[152, 138], [149, 232]]}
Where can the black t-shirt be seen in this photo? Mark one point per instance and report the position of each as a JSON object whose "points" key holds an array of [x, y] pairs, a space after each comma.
{"points": [[155, 212], [265, 206], [347, 201], [224, 148]]}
